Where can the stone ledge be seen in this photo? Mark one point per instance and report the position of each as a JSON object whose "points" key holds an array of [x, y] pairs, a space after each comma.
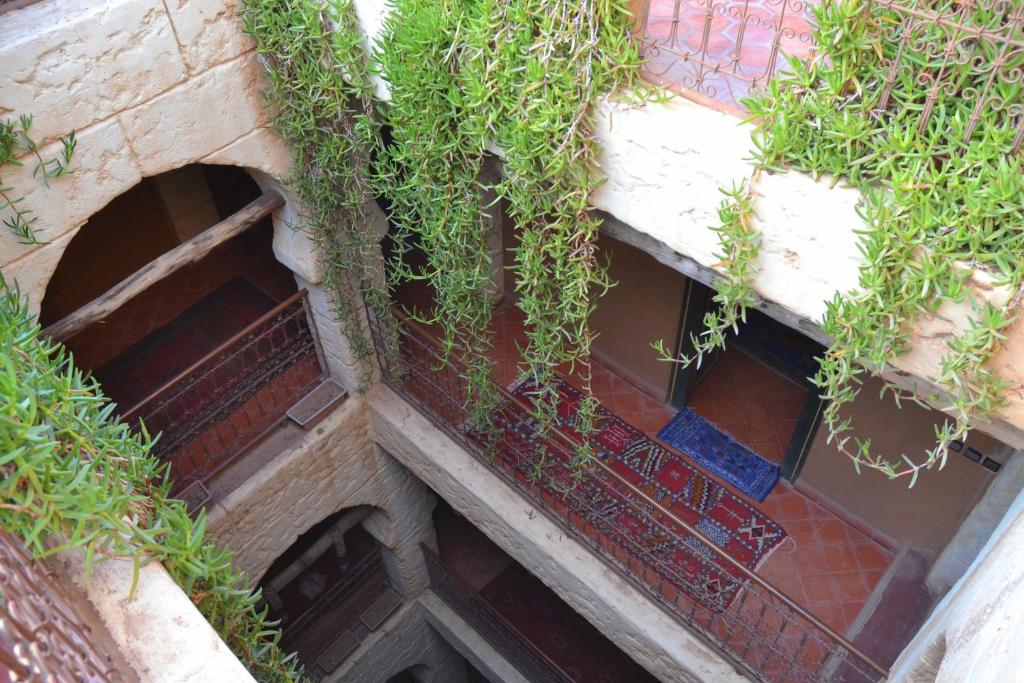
{"points": [[157, 628]]}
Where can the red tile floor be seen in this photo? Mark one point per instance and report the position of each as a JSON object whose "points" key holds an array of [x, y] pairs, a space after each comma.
{"points": [[249, 255], [530, 607], [830, 566], [760, 414], [734, 56]]}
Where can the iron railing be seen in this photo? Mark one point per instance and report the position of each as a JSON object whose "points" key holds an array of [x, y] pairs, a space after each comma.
{"points": [[718, 51], [221, 405], [762, 631], [535, 666], [44, 635]]}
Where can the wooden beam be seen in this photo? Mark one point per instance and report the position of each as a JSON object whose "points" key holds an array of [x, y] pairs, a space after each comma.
{"points": [[182, 255]]}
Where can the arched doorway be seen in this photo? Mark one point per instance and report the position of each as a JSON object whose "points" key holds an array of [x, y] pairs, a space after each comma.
{"points": [[214, 344], [329, 590]]}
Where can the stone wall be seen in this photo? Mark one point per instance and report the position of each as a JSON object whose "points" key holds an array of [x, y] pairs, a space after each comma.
{"points": [[405, 643], [313, 475], [148, 87], [974, 633]]}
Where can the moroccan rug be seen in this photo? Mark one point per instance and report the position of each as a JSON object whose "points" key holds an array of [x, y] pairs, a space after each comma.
{"points": [[163, 353], [568, 640], [716, 451], [608, 512]]}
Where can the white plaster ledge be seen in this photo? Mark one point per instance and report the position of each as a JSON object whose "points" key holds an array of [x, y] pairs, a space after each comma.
{"points": [[157, 628]]}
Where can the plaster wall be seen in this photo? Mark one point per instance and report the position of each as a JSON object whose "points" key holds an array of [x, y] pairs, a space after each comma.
{"points": [[616, 608], [157, 629], [326, 470], [974, 633], [924, 517]]}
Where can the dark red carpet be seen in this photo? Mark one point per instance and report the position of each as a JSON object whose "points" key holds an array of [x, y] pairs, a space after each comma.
{"points": [[569, 640], [160, 355], [745, 533]]}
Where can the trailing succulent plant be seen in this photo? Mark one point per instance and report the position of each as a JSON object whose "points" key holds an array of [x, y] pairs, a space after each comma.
{"points": [[319, 95], [74, 476], [16, 141], [908, 126], [527, 76]]}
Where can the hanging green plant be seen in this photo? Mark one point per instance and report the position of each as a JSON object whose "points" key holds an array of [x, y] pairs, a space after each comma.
{"points": [[430, 173], [923, 131], [528, 75], [74, 477], [16, 141], [319, 96], [557, 60]]}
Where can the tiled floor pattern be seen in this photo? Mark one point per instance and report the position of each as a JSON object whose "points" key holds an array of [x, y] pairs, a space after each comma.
{"points": [[736, 51], [829, 566], [249, 255], [755, 405]]}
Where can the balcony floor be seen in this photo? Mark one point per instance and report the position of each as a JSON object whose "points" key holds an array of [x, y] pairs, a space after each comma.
{"points": [[831, 566]]}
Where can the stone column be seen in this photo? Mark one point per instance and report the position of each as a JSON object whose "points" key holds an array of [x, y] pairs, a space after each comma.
{"points": [[974, 633], [405, 523], [976, 529]]}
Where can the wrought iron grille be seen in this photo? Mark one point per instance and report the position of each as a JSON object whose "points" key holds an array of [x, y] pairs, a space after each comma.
{"points": [[43, 636], [721, 50], [228, 400], [973, 49], [718, 51], [763, 632], [331, 629], [488, 622]]}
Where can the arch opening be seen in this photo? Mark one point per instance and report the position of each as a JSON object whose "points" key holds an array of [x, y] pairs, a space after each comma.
{"points": [[330, 589]]}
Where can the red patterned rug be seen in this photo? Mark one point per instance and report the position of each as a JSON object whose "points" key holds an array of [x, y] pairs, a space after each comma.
{"points": [[607, 510]]}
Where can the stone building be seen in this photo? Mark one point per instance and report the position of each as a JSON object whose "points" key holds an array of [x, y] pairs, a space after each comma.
{"points": [[387, 542]]}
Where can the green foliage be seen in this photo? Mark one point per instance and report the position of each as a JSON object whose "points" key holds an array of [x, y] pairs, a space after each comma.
{"points": [[430, 173], [76, 477], [734, 292], [939, 198], [15, 141], [528, 75], [320, 99]]}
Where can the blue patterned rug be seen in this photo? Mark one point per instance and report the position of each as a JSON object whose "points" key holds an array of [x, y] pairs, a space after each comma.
{"points": [[714, 450]]}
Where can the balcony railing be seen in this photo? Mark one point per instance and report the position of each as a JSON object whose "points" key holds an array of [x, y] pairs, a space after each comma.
{"points": [[221, 405], [764, 633], [719, 51], [330, 630], [488, 622], [43, 635]]}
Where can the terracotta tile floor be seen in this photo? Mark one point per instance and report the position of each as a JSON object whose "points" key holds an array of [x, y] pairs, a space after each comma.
{"points": [[737, 50], [249, 255], [829, 566], [754, 404]]}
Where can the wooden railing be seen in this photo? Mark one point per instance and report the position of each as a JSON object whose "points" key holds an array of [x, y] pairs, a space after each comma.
{"points": [[763, 632]]}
